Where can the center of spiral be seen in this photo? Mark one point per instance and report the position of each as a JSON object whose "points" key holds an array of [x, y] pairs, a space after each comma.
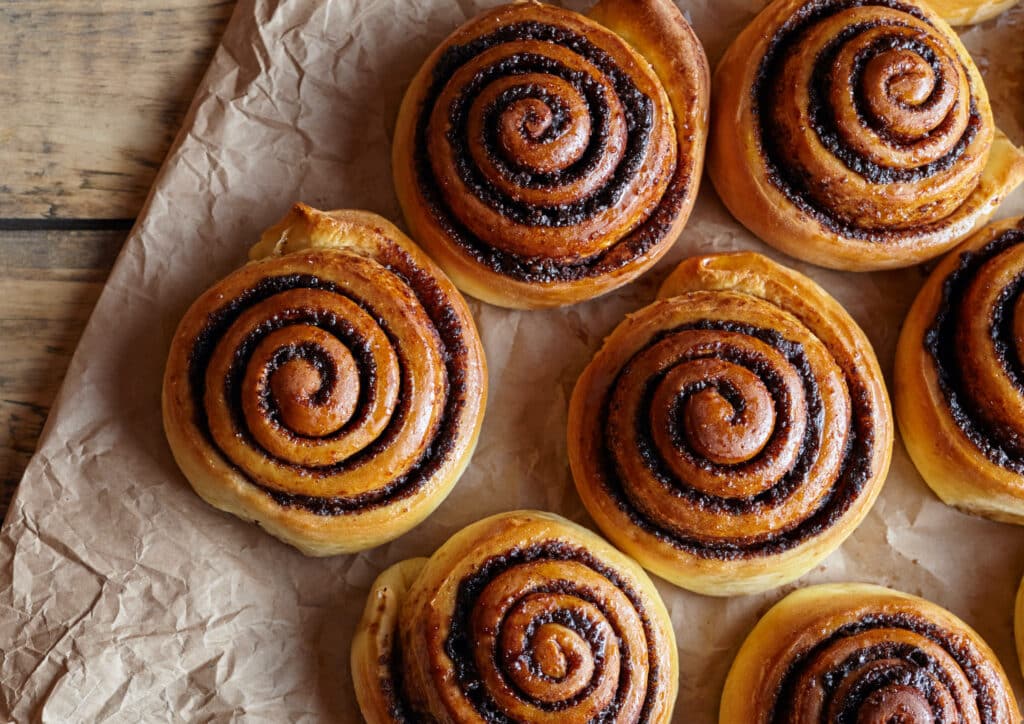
{"points": [[897, 704], [529, 136], [905, 76], [724, 411], [534, 115], [314, 385], [550, 654], [295, 380]]}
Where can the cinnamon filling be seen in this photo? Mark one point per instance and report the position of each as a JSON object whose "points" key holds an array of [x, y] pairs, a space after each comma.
{"points": [[853, 474], [313, 377]]}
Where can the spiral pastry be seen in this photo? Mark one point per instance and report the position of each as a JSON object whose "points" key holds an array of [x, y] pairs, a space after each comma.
{"points": [[967, 12], [543, 157], [332, 390], [732, 434], [857, 134], [858, 653], [959, 375], [521, 617]]}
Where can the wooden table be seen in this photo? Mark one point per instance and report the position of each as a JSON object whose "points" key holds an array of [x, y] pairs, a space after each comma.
{"points": [[91, 97]]}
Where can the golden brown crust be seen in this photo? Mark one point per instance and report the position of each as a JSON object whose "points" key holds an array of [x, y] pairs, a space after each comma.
{"points": [[732, 434], [375, 641], [525, 614], [958, 397], [931, 166], [968, 12], [289, 402], [505, 253], [856, 652]]}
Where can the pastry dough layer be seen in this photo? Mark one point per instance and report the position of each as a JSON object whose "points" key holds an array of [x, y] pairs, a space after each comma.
{"points": [[735, 432], [522, 616], [857, 652], [543, 157], [332, 390], [959, 391], [856, 136]]}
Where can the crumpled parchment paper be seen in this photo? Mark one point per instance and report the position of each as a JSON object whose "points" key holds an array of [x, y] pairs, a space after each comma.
{"points": [[123, 597]]}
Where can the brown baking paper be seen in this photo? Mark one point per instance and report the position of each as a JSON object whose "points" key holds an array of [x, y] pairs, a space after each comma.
{"points": [[123, 597]]}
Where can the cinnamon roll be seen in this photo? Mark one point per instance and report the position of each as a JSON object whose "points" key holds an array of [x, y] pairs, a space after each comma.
{"points": [[966, 12], [858, 653], [856, 135], [544, 157], [959, 376], [521, 617], [735, 432], [331, 390]]}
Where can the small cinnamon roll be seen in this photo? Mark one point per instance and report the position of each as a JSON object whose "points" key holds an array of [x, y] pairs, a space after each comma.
{"points": [[960, 375], [521, 617], [853, 652], [857, 135], [331, 390], [735, 432], [543, 157]]}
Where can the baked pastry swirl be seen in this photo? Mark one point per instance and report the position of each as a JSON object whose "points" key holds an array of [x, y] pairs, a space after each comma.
{"points": [[521, 617], [543, 157], [735, 432], [856, 135], [959, 376], [331, 390], [859, 653]]}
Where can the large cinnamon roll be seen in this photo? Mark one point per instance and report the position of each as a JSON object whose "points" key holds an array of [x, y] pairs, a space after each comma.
{"points": [[521, 617], [732, 434], [543, 157], [960, 375], [859, 653], [331, 390], [856, 135]]}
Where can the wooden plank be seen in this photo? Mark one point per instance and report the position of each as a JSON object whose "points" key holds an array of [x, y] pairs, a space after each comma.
{"points": [[92, 95], [49, 283]]}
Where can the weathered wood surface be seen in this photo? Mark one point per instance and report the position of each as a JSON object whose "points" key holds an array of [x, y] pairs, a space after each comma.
{"points": [[49, 282], [91, 97]]}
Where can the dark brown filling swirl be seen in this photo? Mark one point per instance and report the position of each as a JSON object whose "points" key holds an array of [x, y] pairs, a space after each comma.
{"points": [[889, 101], [977, 349], [738, 440], [544, 138], [307, 376], [557, 641], [889, 667]]}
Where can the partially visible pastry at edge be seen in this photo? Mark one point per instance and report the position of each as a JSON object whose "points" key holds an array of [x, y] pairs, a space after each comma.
{"points": [[853, 652], [544, 157], [959, 376], [856, 135], [1018, 625], [520, 617], [331, 390], [967, 12], [735, 432]]}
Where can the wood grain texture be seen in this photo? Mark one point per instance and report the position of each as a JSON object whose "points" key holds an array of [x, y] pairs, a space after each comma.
{"points": [[91, 97], [49, 283]]}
